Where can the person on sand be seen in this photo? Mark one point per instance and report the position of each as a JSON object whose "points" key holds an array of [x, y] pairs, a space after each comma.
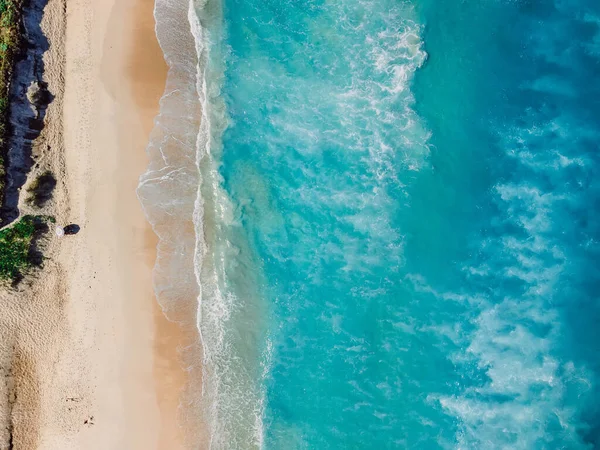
{"points": [[69, 229]]}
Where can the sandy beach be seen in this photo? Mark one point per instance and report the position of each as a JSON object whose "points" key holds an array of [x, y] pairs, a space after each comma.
{"points": [[90, 361]]}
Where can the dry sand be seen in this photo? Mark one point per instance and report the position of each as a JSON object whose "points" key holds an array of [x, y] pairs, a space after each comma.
{"points": [[88, 359]]}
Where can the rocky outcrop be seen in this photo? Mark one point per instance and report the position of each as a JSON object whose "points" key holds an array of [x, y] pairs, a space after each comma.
{"points": [[29, 99]]}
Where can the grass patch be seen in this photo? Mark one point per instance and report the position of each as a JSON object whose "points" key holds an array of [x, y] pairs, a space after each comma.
{"points": [[18, 252]]}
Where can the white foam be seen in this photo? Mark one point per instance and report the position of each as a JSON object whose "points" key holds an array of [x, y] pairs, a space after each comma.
{"points": [[182, 150], [515, 334]]}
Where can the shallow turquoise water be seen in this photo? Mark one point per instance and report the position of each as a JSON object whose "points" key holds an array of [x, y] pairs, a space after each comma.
{"points": [[408, 256]]}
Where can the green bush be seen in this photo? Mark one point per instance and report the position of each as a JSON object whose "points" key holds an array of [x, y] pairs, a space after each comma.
{"points": [[17, 246]]}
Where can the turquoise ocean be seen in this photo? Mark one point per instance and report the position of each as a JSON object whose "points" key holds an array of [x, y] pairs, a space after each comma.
{"points": [[386, 214]]}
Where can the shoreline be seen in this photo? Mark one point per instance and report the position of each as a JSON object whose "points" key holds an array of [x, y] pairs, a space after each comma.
{"points": [[139, 84], [176, 345], [94, 362]]}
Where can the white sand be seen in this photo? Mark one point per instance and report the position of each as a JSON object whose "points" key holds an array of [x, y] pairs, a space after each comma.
{"points": [[79, 342]]}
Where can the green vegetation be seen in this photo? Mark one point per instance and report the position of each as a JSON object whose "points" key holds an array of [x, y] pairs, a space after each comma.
{"points": [[10, 41], [10, 38], [18, 251], [18, 242]]}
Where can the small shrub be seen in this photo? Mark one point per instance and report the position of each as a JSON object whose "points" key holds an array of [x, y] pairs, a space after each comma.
{"points": [[17, 252], [41, 189]]}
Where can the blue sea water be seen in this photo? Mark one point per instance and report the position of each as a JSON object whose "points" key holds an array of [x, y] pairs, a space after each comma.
{"points": [[400, 223]]}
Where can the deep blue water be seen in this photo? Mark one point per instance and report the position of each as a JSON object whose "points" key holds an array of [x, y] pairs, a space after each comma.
{"points": [[414, 212]]}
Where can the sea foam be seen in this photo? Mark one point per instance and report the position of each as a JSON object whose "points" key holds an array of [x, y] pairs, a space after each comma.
{"points": [[182, 200], [380, 224]]}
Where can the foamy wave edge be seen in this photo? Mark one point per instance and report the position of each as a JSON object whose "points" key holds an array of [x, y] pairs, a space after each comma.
{"points": [[169, 193], [186, 130]]}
